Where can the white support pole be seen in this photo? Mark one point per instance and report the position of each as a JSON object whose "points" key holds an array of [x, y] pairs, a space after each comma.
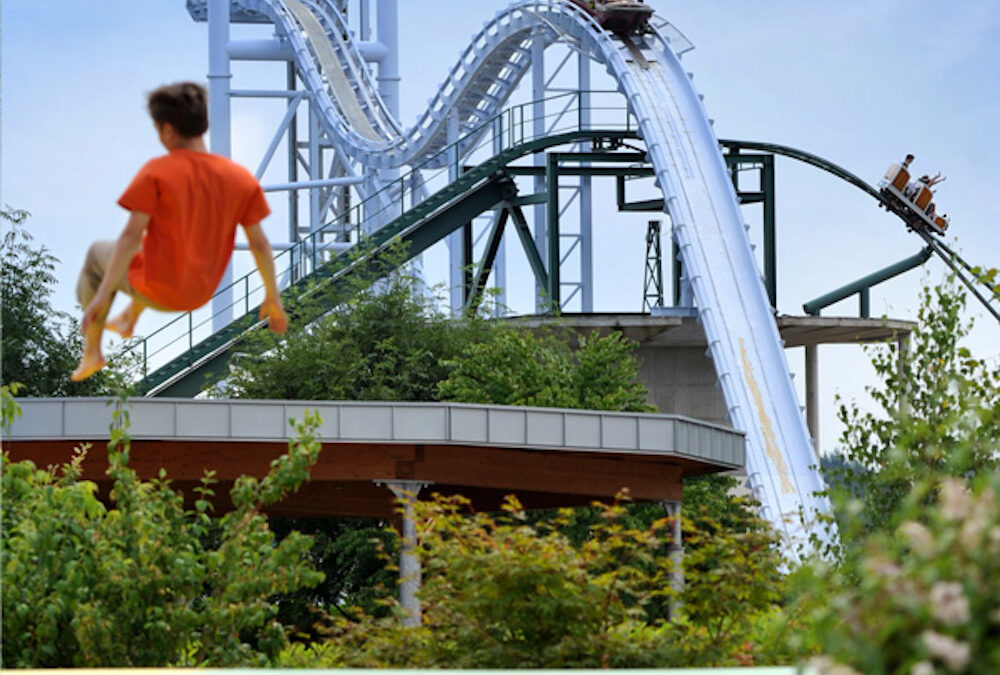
{"points": [[538, 128], [456, 240], [219, 77], [365, 19], [315, 169], [388, 69], [387, 33], [500, 260], [406, 491], [903, 344], [586, 197]]}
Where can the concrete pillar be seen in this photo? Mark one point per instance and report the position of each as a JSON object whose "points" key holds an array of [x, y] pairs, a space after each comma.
{"points": [[406, 492], [812, 395], [673, 510]]}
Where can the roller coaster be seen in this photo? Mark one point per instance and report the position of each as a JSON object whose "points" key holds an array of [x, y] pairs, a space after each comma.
{"points": [[372, 182]]}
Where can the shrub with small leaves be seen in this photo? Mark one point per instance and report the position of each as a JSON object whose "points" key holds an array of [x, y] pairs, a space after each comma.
{"points": [[142, 581], [507, 591], [926, 597]]}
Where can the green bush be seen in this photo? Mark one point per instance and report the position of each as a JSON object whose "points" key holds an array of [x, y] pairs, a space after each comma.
{"points": [[144, 581], [505, 591], [515, 367], [926, 597]]}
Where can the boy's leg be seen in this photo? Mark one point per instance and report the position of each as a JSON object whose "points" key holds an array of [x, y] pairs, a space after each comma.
{"points": [[124, 323], [86, 287]]}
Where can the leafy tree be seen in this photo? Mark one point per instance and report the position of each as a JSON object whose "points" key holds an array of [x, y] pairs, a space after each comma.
{"points": [[381, 343], [516, 367], [41, 345], [939, 407], [351, 554], [144, 582], [924, 597], [391, 342], [502, 591], [384, 343], [916, 490]]}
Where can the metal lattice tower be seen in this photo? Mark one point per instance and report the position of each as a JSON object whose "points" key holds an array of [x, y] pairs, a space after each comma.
{"points": [[652, 295]]}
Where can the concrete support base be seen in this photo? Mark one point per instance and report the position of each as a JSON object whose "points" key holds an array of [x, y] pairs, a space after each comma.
{"points": [[673, 510], [682, 381], [406, 492], [812, 394]]}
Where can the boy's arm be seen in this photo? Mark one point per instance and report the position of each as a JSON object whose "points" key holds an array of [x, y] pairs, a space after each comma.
{"points": [[272, 307], [128, 244]]}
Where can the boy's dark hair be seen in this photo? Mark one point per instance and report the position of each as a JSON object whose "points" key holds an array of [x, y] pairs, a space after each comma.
{"points": [[183, 105]]}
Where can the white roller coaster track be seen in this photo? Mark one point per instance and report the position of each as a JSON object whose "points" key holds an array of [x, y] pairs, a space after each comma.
{"points": [[732, 303]]}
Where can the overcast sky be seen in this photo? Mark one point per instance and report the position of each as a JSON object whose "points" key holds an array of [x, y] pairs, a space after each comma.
{"points": [[858, 82]]}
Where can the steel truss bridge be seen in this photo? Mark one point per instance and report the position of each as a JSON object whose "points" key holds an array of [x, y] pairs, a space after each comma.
{"points": [[358, 182]]}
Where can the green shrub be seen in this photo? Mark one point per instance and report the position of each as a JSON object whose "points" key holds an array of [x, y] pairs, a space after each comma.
{"points": [[143, 581]]}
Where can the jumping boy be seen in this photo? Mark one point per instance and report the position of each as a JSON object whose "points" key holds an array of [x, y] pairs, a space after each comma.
{"points": [[185, 207]]}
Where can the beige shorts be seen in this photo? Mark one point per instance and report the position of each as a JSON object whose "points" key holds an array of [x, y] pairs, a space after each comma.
{"points": [[94, 266]]}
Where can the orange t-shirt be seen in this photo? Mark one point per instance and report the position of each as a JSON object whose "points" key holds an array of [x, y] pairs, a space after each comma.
{"points": [[194, 200]]}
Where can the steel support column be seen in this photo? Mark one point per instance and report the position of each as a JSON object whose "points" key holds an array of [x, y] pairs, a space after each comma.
{"points": [[456, 240], [219, 77], [388, 68], [499, 263], [586, 197], [293, 162], [552, 299], [315, 169], [770, 239], [653, 283], [538, 124], [903, 348]]}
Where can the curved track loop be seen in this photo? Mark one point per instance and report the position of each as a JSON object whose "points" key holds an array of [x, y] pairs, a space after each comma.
{"points": [[698, 195]]}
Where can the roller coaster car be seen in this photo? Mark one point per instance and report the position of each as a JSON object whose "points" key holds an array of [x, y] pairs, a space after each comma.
{"points": [[919, 204], [618, 16]]}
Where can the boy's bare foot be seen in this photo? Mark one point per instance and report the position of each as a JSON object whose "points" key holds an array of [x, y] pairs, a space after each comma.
{"points": [[123, 324], [89, 364]]}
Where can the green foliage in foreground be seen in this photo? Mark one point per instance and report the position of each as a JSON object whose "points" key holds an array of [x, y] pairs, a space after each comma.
{"points": [[145, 582], [503, 591], [925, 597], [917, 589], [939, 415], [41, 346], [393, 342]]}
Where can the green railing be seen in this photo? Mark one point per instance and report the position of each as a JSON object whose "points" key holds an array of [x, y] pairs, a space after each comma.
{"points": [[512, 128]]}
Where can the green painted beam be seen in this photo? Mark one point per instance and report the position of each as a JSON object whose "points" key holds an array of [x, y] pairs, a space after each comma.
{"points": [[770, 238], [861, 285], [485, 266], [626, 171], [528, 244], [525, 200]]}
